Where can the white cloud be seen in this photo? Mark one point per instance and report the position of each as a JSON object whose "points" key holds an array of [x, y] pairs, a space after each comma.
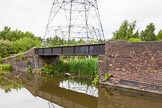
{"points": [[113, 12], [27, 15], [32, 15]]}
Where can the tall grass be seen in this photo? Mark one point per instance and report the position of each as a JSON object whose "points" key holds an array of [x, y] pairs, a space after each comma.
{"points": [[0, 59], [78, 66], [5, 68]]}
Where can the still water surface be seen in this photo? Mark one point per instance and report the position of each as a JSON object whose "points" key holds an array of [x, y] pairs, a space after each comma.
{"points": [[29, 91]]}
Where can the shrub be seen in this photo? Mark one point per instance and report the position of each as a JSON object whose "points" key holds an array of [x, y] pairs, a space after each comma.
{"points": [[134, 40], [25, 44], [6, 48]]}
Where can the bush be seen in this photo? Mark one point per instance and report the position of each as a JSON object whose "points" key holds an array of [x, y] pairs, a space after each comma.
{"points": [[6, 48], [25, 44], [134, 40]]}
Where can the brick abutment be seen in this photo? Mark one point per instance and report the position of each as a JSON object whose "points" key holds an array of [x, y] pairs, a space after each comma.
{"points": [[132, 65]]}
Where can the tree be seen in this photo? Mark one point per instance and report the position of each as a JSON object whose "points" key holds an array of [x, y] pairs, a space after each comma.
{"points": [[25, 44], [121, 33], [148, 34], [13, 35], [126, 31], [159, 35], [136, 35], [15, 41], [55, 41], [4, 32]]}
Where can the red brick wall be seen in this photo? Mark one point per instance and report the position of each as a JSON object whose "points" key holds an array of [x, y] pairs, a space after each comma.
{"points": [[134, 65]]}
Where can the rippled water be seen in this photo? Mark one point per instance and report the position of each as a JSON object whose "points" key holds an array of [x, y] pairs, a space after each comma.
{"points": [[29, 91]]}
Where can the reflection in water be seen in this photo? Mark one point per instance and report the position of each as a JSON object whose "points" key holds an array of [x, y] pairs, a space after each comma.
{"points": [[79, 87], [125, 98], [8, 84], [63, 96], [57, 92]]}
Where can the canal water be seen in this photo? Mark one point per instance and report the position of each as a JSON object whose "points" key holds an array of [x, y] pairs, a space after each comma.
{"points": [[32, 91]]}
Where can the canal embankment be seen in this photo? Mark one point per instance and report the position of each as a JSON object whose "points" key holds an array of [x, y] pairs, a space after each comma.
{"points": [[131, 65]]}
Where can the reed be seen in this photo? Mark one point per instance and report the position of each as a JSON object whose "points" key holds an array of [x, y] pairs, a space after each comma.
{"points": [[74, 65]]}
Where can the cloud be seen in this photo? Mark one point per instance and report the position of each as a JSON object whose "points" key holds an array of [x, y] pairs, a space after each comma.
{"points": [[113, 12], [32, 15], [29, 15]]}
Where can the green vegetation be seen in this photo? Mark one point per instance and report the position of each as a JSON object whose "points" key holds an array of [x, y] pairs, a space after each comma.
{"points": [[134, 40], [14, 35], [148, 34], [127, 31], [0, 60], [57, 41], [6, 67], [30, 70], [7, 85], [77, 66], [25, 44], [107, 76], [159, 36], [16, 41], [6, 48], [96, 80]]}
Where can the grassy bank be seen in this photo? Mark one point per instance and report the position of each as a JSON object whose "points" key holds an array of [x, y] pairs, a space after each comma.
{"points": [[76, 66]]}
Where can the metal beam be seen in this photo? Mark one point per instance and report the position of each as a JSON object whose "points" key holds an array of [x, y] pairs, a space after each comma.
{"points": [[80, 50]]}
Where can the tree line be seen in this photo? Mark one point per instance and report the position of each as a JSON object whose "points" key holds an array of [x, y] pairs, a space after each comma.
{"points": [[127, 31]]}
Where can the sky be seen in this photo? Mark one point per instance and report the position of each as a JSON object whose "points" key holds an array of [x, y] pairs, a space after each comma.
{"points": [[32, 15]]}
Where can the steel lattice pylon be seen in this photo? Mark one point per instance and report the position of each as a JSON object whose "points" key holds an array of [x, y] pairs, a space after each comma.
{"points": [[75, 19]]}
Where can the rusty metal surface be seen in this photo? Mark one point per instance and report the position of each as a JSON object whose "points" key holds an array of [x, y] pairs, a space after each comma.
{"points": [[81, 50]]}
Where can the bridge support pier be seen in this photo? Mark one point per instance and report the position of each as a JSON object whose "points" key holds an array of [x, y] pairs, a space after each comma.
{"points": [[132, 65]]}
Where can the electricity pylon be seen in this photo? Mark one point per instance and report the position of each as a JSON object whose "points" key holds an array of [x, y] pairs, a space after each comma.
{"points": [[75, 19]]}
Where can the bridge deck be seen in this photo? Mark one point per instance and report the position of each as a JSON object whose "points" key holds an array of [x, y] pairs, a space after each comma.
{"points": [[80, 50]]}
